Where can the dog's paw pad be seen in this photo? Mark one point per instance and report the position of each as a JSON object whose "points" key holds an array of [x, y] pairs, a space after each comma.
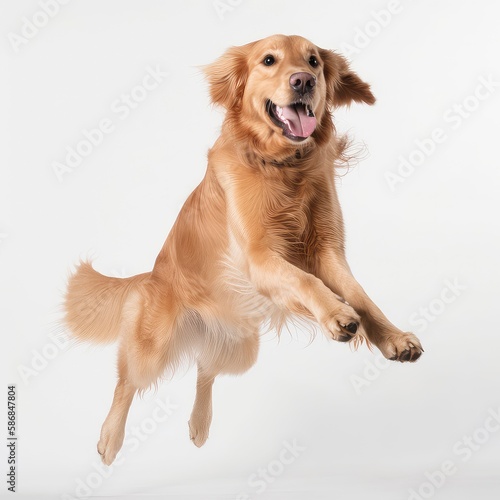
{"points": [[403, 347], [342, 324], [351, 328]]}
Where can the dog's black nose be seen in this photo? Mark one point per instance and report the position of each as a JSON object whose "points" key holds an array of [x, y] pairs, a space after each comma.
{"points": [[302, 82]]}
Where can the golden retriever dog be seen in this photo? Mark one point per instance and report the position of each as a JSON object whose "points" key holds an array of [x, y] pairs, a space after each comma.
{"points": [[260, 239]]}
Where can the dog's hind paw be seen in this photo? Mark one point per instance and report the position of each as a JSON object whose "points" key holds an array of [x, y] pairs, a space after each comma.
{"points": [[108, 447], [198, 433]]}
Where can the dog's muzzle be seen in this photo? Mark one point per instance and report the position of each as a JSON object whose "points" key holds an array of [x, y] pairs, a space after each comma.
{"points": [[297, 119]]}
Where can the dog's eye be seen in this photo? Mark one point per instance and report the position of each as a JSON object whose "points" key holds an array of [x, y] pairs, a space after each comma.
{"points": [[269, 60], [313, 61]]}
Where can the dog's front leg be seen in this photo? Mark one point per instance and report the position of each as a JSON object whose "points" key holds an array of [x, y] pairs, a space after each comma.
{"points": [[297, 291], [392, 342]]}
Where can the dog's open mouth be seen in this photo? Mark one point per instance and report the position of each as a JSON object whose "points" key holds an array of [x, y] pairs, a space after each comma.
{"points": [[297, 120]]}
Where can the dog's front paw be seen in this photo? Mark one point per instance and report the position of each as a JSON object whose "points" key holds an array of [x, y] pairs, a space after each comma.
{"points": [[342, 324], [402, 347]]}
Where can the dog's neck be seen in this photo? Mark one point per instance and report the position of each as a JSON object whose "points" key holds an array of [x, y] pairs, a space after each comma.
{"points": [[290, 161], [295, 160]]}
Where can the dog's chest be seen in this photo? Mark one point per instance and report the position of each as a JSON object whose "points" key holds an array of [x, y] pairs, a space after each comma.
{"points": [[287, 215]]}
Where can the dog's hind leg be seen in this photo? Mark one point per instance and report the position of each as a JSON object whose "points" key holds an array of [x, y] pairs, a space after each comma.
{"points": [[113, 429], [201, 416], [220, 355], [145, 351]]}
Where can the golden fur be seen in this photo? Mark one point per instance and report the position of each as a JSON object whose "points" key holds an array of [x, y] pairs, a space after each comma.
{"points": [[261, 238]]}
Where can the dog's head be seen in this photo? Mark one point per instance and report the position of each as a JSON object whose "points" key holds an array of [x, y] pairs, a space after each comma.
{"points": [[279, 91]]}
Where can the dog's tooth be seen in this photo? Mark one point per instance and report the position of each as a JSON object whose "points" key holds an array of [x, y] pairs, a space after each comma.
{"points": [[310, 112]]}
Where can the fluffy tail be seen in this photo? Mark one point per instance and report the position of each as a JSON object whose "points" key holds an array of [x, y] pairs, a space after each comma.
{"points": [[94, 303]]}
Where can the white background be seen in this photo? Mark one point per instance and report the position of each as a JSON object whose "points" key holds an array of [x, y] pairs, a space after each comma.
{"points": [[377, 440]]}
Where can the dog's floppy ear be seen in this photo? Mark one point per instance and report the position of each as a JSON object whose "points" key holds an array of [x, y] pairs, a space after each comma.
{"points": [[227, 77], [343, 86]]}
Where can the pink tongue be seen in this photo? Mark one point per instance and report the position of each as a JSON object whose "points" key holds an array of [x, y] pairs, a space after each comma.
{"points": [[300, 124]]}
